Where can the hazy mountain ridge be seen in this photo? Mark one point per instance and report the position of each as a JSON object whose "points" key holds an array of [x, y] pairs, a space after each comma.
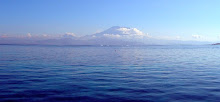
{"points": [[113, 36]]}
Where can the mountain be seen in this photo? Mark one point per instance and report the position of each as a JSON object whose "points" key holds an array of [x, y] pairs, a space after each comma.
{"points": [[116, 36], [119, 33], [113, 36], [216, 44]]}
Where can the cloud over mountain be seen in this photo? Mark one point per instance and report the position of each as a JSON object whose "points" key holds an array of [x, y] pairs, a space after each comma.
{"points": [[196, 36], [121, 32], [69, 35]]}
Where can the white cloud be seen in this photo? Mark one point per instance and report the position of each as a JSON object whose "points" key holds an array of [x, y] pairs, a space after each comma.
{"points": [[178, 37], [196, 36], [29, 35], [69, 35], [45, 35], [130, 31], [112, 35]]}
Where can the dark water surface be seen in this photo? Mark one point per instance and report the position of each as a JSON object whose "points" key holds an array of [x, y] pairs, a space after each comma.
{"points": [[92, 73]]}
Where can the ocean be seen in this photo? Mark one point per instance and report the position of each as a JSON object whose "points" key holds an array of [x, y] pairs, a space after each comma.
{"points": [[175, 73]]}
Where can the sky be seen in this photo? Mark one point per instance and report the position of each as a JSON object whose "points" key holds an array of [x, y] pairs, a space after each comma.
{"points": [[165, 19]]}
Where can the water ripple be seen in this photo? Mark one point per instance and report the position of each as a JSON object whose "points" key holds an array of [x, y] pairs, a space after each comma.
{"points": [[147, 73]]}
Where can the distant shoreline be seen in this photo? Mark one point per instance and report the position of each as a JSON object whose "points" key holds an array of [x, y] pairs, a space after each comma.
{"points": [[102, 45], [216, 44]]}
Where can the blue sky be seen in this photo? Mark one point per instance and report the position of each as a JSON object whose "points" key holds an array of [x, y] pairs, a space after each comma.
{"points": [[159, 18]]}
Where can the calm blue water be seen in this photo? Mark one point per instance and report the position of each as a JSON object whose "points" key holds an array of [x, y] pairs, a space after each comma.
{"points": [[86, 73]]}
